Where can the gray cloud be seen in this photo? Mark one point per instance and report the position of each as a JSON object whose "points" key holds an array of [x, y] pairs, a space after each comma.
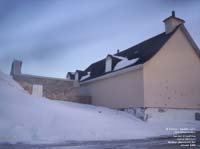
{"points": [[41, 31]]}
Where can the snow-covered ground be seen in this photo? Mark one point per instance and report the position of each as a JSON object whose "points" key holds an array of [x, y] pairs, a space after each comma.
{"points": [[30, 119]]}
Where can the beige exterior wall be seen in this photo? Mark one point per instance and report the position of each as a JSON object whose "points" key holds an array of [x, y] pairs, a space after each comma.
{"points": [[117, 91], [172, 76]]}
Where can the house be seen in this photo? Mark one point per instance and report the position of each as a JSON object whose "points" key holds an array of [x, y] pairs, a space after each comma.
{"points": [[161, 72], [158, 74]]}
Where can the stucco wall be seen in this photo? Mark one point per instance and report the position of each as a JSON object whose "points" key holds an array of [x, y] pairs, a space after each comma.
{"points": [[117, 91], [172, 76], [53, 88]]}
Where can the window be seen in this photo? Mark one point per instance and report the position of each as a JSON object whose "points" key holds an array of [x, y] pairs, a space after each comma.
{"points": [[108, 66], [76, 76]]}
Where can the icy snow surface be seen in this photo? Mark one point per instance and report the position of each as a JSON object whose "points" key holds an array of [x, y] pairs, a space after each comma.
{"points": [[30, 119]]}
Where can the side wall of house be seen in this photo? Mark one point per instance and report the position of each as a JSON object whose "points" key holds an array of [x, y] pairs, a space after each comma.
{"points": [[172, 76], [118, 91]]}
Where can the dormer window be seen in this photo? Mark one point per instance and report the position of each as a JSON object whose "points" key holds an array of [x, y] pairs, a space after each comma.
{"points": [[108, 65], [70, 76], [76, 76]]}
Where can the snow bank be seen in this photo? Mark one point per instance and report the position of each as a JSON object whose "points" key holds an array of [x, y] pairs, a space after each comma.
{"points": [[6, 80], [125, 62], [30, 119]]}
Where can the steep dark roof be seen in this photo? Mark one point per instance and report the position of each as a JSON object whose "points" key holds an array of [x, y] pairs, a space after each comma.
{"points": [[81, 73], [144, 51], [115, 60]]}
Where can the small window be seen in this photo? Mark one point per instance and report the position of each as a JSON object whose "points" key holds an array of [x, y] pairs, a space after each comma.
{"points": [[108, 64], [76, 76]]}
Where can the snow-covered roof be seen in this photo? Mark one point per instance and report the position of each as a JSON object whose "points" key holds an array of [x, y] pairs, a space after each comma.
{"points": [[124, 63], [85, 77], [132, 56]]}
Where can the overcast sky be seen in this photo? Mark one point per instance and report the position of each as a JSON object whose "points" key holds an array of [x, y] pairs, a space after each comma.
{"points": [[53, 37]]}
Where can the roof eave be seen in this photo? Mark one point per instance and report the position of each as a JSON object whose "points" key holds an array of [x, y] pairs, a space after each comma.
{"points": [[114, 73]]}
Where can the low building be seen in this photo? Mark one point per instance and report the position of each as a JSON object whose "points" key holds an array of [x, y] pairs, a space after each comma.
{"points": [[162, 71]]}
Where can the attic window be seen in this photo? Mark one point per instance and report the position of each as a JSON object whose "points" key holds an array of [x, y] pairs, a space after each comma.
{"points": [[70, 76], [76, 76], [108, 65]]}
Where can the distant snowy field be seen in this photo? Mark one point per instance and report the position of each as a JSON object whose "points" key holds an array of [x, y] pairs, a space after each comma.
{"points": [[30, 119]]}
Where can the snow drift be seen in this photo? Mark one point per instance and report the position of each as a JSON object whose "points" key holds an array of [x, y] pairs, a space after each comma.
{"points": [[30, 119]]}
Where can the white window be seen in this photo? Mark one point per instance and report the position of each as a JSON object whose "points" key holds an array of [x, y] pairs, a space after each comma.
{"points": [[76, 76], [108, 64], [37, 90]]}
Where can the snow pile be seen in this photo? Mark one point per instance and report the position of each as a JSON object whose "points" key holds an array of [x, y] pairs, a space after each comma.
{"points": [[172, 119], [125, 62], [6, 80], [30, 119]]}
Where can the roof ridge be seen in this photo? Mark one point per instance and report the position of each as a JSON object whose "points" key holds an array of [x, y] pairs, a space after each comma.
{"points": [[144, 50], [124, 50]]}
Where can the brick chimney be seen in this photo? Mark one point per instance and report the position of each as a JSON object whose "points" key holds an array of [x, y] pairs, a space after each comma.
{"points": [[16, 67], [172, 22]]}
